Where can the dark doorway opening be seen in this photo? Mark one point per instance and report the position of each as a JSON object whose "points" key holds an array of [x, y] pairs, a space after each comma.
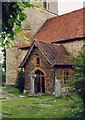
{"points": [[39, 84]]}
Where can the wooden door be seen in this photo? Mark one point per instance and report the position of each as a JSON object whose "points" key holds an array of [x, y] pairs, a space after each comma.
{"points": [[39, 83]]}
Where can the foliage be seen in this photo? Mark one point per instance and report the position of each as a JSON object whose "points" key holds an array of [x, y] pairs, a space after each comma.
{"points": [[3, 76], [12, 17], [0, 72], [39, 5], [20, 81], [12, 90], [79, 75], [4, 66], [4, 58]]}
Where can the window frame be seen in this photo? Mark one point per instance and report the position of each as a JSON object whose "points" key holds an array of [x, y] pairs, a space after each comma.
{"points": [[38, 61], [46, 4], [65, 77], [69, 75]]}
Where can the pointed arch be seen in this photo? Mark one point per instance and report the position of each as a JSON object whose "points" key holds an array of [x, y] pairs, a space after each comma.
{"points": [[40, 81]]}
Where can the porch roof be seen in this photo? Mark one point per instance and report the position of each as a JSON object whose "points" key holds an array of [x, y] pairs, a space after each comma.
{"points": [[55, 54]]}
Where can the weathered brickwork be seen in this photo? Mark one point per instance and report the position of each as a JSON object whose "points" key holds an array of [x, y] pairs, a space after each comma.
{"points": [[14, 57], [37, 18], [45, 67], [74, 46], [20, 55], [11, 65], [49, 71], [53, 7]]}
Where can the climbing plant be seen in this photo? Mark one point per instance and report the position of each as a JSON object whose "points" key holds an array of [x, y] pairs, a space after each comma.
{"points": [[12, 17]]}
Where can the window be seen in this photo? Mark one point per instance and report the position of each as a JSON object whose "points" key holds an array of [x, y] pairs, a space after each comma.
{"points": [[46, 4], [38, 61], [65, 77]]}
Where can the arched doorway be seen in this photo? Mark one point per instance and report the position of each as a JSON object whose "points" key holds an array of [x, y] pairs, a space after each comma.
{"points": [[39, 83]]}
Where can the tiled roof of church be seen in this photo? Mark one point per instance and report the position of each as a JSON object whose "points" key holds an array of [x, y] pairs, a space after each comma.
{"points": [[55, 54], [64, 27], [70, 26]]}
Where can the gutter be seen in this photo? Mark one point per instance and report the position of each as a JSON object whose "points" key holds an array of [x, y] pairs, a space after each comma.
{"points": [[68, 40]]}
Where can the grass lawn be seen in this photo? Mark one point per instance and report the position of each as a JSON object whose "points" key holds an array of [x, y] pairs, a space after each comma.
{"points": [[13, 91], [42, 107]]}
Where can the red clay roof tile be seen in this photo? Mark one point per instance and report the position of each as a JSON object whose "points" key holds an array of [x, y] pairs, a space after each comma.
{"points": [[64, 27]]}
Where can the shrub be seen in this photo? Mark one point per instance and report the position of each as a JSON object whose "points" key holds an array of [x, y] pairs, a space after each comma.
{"points": [[3, 76], [20, 81], [79, 75]]}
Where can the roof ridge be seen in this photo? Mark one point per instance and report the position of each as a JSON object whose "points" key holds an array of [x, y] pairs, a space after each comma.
{"points": [[62, 28], [53, 56], [67, 13], [46, 10]]}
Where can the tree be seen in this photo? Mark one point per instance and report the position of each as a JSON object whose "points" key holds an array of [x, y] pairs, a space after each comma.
{"points": [[4, 66], [79, 75], [3, 76], [4, 59], [12, 17], [20, 81]]}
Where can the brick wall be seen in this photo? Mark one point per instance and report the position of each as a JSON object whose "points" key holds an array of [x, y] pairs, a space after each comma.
{"points": [[11, 65], [45, 67], [14, 56], [53, 7], [20, 55], [74, 46], [37, 18]]}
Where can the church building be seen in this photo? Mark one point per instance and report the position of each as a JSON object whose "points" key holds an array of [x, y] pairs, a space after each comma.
{"points": [[48, 58], [47, 55]]}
